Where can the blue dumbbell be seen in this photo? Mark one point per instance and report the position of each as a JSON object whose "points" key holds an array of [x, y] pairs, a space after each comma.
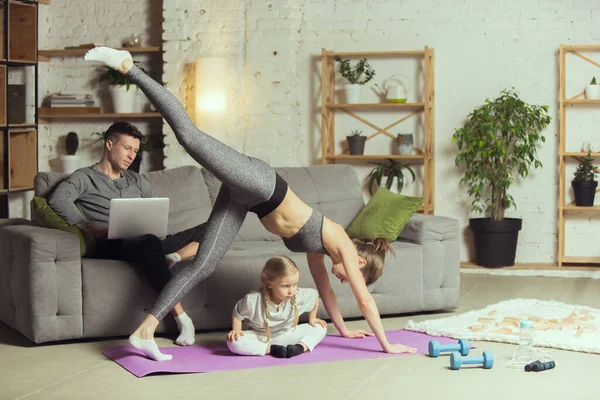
{"points": [[487, 359], [435, 348]]}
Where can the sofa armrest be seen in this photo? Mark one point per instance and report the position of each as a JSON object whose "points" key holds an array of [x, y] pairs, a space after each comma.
{"points": [[421, 228], [440, 239], [40, 282]]}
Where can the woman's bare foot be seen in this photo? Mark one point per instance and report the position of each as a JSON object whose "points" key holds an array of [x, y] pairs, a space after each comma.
{"points": [[116, 59]]}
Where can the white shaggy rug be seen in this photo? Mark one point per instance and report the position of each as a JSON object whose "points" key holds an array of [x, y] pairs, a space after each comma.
{"points": [[557, 325]]}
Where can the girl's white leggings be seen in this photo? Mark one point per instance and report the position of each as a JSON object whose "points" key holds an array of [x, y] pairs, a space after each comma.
{"points": [[253, 343]]}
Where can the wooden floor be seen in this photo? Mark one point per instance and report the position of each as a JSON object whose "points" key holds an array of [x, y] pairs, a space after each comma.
{"points": [[549, 267]]}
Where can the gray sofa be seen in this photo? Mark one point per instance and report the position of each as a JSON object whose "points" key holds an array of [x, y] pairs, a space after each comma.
{"points": [[49, 293]]}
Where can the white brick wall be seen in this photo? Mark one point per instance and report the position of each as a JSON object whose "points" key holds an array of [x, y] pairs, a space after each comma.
{"points": [[273, 110]]}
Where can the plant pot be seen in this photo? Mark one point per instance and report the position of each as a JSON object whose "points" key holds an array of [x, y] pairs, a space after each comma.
{"points": [[70, 163], [353, 92], [495, 241], [356, 145], [404, 143], [592, 91], [123, 99], [584, 193]]}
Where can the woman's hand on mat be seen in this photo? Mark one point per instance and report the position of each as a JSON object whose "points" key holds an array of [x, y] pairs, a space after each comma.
{"points": [[316, 321], [356, 334], [234, 335], [400, 348]]}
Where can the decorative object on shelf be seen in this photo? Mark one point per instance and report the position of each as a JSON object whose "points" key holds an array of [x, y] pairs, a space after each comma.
{"points": [[356, 142], [71, 162], [592, 90], [392, 170], [405, 144], [134, 40], [393, 89], [358, 75], [122, 90], [497, 144], [584, 183], [16, 105]]}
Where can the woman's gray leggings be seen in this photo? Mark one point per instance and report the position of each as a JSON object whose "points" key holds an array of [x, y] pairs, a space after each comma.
{"points": [[246, 182]]}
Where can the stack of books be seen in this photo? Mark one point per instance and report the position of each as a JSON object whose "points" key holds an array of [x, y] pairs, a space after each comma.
{"points": [[70, 104]]}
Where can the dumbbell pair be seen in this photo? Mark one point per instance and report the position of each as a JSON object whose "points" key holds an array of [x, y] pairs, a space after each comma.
{"points": [[459, 351]]}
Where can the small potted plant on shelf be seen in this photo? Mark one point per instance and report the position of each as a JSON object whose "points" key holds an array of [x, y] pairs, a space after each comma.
{"points": [[496, 145], [584, 183], [356, 142], [592, 91], [123, 92], [71, 161], [392, 172], [358, 75]]}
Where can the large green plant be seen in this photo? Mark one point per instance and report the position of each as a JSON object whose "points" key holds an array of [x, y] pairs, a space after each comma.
{"points": [[497, 144], [115, 78]]}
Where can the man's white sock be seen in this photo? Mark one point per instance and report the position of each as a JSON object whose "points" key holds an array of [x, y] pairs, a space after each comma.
{"points": [[172, 259]]}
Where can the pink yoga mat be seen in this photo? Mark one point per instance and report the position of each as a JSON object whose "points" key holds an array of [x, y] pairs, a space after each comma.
{"points": [[217, 357]]}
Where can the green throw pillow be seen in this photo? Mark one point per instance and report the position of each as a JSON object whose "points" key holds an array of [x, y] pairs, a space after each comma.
{"points": [[49, 219], [384, 216]]}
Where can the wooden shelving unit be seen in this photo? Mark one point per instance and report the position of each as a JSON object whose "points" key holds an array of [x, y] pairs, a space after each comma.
{"points": [[329, 109], [563, 208], [46, 119], [45, 55], [19, 57]]}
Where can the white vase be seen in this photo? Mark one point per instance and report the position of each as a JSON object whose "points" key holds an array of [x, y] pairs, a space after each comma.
{"points": [[70, 163], [123, 99], [353, 92], [592, 92]]}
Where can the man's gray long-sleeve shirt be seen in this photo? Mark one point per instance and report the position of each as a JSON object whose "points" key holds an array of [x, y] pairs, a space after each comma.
{"points": [[85, 195]]}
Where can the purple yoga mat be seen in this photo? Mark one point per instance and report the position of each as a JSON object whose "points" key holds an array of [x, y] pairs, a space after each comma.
{"points": [[217, 357]]}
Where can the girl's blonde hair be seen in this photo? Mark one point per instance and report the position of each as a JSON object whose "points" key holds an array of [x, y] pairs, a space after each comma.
{"points": [[374, 252], [275, 269]]}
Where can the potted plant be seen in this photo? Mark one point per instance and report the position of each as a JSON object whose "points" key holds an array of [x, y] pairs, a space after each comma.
{"points": [[392, 171], [356, 142], [358, 75], [496, 145], [122, 90], [584, 183], [592, 91], [71, 161]]}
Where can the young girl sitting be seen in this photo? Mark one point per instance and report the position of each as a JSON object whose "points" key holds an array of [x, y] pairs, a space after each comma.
{"points": [[270, 315]]}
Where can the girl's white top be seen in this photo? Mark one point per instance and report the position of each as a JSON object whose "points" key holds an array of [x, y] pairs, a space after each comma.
{"points": [[250, 310]]}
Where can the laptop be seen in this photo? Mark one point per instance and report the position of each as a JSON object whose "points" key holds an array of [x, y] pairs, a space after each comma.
{"points": [[136, 217]]}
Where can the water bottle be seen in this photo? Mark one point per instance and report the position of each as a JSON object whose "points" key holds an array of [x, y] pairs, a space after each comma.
{"points": [[526, 334]]}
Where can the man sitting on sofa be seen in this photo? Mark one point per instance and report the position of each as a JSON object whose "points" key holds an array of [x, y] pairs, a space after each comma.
{"points": [[83, 200]]}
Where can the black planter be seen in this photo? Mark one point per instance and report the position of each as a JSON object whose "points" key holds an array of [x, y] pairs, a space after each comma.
{"points": [[584, 193], [356, 144], [495, 241]]}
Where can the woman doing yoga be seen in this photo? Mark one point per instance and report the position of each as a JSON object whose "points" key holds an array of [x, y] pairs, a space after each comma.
{"points": [[251, 185]]}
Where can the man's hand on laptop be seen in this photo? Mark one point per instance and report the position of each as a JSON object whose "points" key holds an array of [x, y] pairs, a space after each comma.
{"points": [[87, 227]]}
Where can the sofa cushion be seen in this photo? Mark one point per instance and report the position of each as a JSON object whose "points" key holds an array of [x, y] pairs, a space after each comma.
{"points": [[333, 190], [384, 216], [189, 202]]}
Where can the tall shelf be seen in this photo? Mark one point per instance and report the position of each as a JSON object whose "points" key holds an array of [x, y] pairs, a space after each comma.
{"points": [[18, 98], [329, 109], [563, 208]]}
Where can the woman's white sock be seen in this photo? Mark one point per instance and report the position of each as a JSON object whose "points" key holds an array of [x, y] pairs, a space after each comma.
{"points": [[172, 259], [149, 347], [111, 57], [186, 327]]}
